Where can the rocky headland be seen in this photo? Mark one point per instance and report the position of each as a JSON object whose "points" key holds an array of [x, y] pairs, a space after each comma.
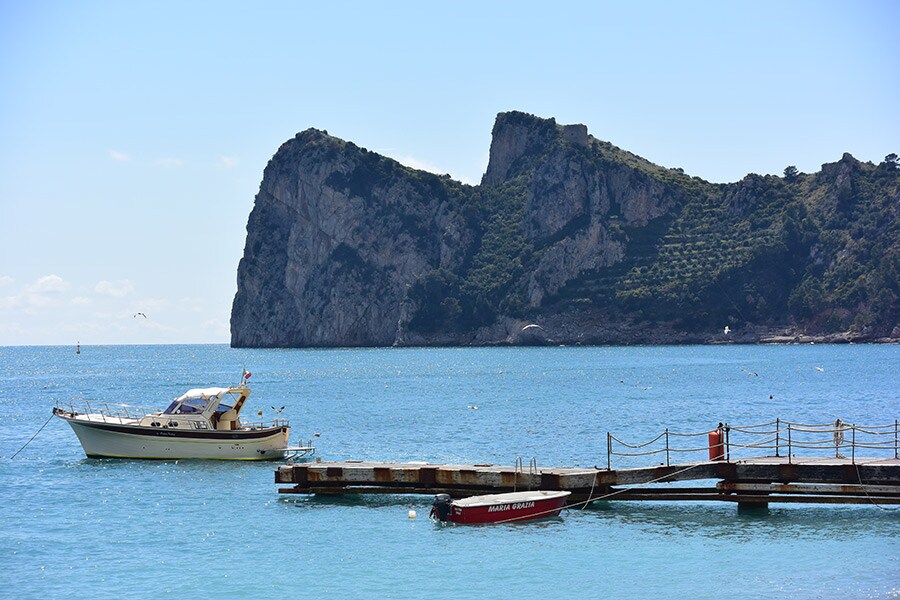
{"points": [[567, 240]]}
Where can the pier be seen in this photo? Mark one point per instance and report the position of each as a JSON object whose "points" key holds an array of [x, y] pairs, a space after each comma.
{"points": [[796, 470]]}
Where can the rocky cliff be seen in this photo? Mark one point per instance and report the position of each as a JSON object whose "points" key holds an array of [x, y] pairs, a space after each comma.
{"points": [[568, 239]]}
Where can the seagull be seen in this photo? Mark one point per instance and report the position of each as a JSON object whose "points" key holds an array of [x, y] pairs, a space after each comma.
{"points": [[277, 410], [820, 369], [472, 406], [727, 330], [750, 372], [140, 314]]}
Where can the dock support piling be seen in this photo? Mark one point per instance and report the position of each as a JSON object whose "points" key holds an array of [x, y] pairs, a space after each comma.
{"points": [[753, 508]]}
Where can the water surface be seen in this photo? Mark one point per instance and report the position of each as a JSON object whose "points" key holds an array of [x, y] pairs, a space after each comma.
{"points": [[76, 527]]}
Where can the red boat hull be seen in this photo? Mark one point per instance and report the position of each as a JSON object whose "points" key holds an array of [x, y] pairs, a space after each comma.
{"points": [[506, 512]]}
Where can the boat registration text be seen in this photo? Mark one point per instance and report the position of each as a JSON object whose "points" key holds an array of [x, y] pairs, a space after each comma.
{"points": [[513, 506]]}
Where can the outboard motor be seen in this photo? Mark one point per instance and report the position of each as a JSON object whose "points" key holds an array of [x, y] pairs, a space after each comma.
{"points": [[441, 507]]}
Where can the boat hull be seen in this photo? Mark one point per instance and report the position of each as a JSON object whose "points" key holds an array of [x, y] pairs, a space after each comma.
{"points": [[504, 508], [102, 440]]}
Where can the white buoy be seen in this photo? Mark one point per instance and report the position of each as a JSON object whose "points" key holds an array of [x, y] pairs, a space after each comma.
{"points": [[412, 514]]}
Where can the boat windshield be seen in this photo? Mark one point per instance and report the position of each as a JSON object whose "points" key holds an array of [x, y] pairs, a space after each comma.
{"points": [[221, 408], [187, 406]]}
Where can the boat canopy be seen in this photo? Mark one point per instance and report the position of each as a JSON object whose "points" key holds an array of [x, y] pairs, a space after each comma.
{"points": [[204, 393], [197, 401]]}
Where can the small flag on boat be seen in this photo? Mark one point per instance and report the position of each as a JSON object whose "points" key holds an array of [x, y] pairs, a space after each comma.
{"points": [[247, 374]]}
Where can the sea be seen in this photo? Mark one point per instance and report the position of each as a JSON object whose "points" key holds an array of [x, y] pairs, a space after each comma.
{"points": [[74, 527]]}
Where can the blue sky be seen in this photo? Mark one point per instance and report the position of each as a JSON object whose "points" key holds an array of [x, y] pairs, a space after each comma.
{"points": [[133, 135]]}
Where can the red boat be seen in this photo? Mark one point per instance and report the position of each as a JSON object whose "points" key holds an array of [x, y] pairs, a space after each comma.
{"points": [[499, 508]]}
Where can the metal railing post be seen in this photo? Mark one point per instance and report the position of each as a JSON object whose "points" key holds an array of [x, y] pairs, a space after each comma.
{"points": [[667, 446], [608, 451], [896, 437], [777, 434], [727, 443], [789, 443], [853, 445]]}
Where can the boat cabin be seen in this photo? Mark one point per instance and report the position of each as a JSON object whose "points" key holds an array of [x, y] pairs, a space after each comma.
{"points": [[204, 408]]}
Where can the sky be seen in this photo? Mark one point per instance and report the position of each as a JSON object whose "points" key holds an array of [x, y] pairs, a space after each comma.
{"points": [[133, 135]]}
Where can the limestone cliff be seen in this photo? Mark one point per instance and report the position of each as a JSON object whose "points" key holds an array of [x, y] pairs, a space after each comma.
{"points": [[596, 245]]}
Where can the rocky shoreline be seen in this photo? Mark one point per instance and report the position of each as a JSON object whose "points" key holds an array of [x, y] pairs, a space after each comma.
{"points": [[597, 329]]}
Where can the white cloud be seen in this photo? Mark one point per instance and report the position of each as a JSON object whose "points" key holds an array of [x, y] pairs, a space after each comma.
{"points": [[170, 162], [116, 289], [48, 283], [230, 161], [40, 294], [119, 156], [6, 280], [9, 302], [80, 300]]}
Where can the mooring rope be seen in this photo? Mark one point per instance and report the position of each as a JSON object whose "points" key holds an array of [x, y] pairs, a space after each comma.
{"points": [[32, 437], [591, 493], [875, 504], [605, 496]]}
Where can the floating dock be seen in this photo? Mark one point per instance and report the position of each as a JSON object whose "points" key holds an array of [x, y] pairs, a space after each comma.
{"points": [[748, 481]]}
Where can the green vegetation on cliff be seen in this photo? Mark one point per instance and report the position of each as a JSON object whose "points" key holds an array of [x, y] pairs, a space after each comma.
{"points": [[817, 250], [592, 242]]}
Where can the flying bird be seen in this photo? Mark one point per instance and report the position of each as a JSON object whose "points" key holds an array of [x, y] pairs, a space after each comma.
{"points": [[727, 330], [140, 314], [750, 372], [277, 410], [820, 369]]}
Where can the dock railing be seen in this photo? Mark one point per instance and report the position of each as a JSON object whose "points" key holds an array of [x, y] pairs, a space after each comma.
{"points": [[777, 438]]}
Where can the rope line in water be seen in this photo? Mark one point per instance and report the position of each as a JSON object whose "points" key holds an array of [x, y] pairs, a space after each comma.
{"points": [[32, 437], [875, 504], [590, 499]]}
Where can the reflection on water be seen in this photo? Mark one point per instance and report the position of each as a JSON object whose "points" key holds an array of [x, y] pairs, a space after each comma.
{"points": [[725, 521]]}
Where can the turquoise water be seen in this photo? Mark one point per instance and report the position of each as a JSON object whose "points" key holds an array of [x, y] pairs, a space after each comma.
{"points": [[76, 527]]}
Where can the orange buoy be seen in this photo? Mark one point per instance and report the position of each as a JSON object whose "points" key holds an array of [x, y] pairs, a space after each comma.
{"points": [[717, 444]]}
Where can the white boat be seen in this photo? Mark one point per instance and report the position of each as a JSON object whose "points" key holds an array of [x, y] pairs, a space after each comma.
{"points": [[202, 423]]}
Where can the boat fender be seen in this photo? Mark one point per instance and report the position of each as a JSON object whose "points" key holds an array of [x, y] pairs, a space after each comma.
{"points": [[717, 443], [441, 507]]}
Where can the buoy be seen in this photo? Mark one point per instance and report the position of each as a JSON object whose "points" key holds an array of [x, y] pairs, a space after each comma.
{"points": [[412, 514]]}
